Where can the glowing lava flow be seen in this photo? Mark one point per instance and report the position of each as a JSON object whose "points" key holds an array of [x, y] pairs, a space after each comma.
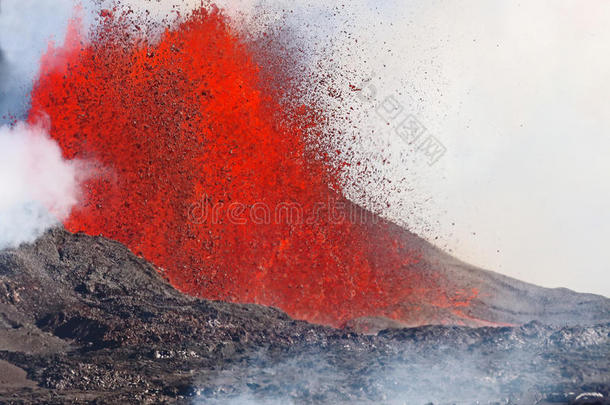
{"points": [[210, 178]]}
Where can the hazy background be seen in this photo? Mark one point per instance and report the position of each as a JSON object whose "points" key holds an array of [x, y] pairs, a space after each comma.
{"points": [[516, 92]]}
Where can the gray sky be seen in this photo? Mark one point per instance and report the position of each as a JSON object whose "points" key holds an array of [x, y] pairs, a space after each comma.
{"points": [[516, 91]]}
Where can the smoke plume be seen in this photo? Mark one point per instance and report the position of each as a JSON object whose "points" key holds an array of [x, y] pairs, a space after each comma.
{"points": [[38, 188]]}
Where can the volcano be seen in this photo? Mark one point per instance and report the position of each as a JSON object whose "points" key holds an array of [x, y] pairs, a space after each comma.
{"points": [[214, 257], [217, 173], [221, 176]]}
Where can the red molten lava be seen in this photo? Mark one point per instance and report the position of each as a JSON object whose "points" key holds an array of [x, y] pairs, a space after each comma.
{"points": [[210, 177]]}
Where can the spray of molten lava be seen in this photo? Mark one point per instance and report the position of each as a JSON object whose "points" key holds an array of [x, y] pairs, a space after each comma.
{"points": [[209, 176]]}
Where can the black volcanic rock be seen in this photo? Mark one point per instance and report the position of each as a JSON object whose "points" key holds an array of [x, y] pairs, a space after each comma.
{"points": [[83, 320]]}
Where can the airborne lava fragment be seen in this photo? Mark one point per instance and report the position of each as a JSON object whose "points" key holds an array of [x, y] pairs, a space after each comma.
{"points": [[209, 176]]}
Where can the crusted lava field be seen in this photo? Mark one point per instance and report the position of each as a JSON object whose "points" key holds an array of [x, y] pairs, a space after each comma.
{"points": [[83, 320]]}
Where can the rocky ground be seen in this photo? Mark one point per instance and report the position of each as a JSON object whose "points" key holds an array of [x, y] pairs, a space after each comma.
{"points": [[83, 320]]}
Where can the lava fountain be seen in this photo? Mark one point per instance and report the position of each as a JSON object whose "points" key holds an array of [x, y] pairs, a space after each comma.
{"points": [[209, 175]]}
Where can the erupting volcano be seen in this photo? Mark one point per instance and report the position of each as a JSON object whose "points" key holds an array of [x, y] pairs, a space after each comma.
{"points": [[208, 173], [214, 173]]}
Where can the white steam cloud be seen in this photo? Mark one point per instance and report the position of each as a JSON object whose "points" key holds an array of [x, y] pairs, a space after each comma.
{"points": [[38, 188]]}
